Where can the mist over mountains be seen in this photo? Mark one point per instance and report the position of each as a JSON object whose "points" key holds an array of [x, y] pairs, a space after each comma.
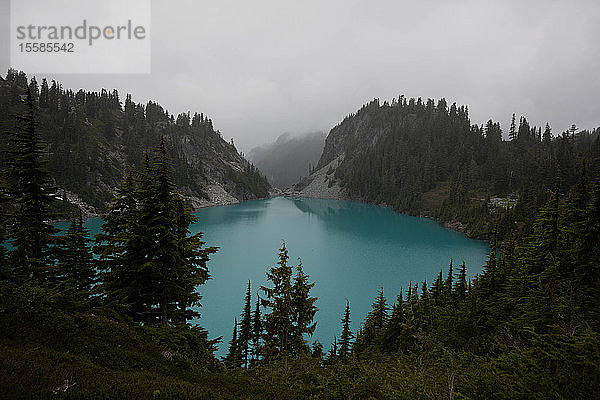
{"points": [[288, 159]]}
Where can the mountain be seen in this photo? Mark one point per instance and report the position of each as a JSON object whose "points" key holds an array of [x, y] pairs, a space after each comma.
{"points": [[92, 138], [428, 159], [289, 158], [76, 326]]}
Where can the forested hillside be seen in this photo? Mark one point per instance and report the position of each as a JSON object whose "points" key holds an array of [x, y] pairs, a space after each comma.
{"points": [[428, 159], [109, 317], [92, 138], [527, 327]]}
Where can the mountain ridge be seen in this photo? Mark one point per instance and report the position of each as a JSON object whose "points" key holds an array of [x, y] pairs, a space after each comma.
{"points": [[92, 138], [289, 157], [428, 159]]}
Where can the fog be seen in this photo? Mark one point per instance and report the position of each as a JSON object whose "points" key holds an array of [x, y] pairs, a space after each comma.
{"points": [[262, 68]]}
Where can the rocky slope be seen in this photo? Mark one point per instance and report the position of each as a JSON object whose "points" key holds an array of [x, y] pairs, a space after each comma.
{"points": [[92, 139], [426, 158], [353, 136], [320, 184]]}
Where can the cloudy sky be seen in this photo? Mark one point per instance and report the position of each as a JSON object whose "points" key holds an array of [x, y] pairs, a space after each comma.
{"points": [[263, 67]]}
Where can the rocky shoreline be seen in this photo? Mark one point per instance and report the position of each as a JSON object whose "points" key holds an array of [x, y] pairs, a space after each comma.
{"points": [[217, 194], [321, 184]]}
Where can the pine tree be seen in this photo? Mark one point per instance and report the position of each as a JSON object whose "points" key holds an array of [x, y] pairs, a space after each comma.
{"points": [[346, 335], [437, 288], [148, 274], [292, 309], [121, 252], [448, 283], [257, 331], [165, 254], [397, 316], [378, 316], [233, 359], [44, 93], [34, 90], [524, 132], [177, 261], [245, 335], [279, 299], [146, 249], [304, 309], [460, 287], [395, 334], [75, 261], [30, 234], [512, 133], [317, 350], [547, 137], [332, 355], [373, 330], [194, 257]]}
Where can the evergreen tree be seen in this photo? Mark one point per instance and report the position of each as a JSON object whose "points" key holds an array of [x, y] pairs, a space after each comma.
{"points": [[257, 331], [378, 316], [34, 90], [152, 263], [448, 283], [460, 287], [317, 350], [397, 316], [121, 252], [304, 309], [233, 357], [547, 134], [292, 309], [279, 299], [44, 93], [148, 274], [346, 335], [30, 234], [437, 288], [75, 261], [245, 335], [178, 261], [524, 132], [166, 255], [372, 333], [332, 355], [512, 133], [396, 336]]}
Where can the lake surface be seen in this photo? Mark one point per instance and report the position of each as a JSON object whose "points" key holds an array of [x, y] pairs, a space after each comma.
{"points": [[349, 250]]}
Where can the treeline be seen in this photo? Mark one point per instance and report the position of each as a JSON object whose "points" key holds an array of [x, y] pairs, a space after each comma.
{"points": [[531, 318], [541, 289], [91, 137], [75, 325], [526, 327], [148, 266], [278, 335], [427, 158]]}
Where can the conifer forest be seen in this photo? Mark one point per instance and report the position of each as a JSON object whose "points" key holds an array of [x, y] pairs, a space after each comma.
{"points": [[111, 315]]}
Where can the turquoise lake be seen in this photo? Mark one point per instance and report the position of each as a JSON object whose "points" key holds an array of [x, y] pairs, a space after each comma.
{"points": [[349, 250]]}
